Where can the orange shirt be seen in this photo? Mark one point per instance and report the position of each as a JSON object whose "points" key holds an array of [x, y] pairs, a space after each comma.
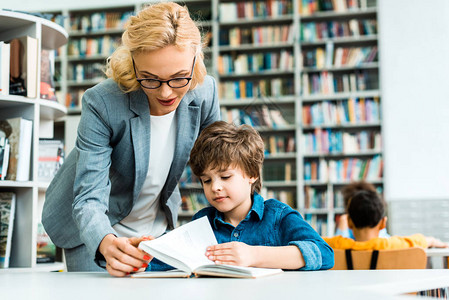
{"points": [[394, 242]]}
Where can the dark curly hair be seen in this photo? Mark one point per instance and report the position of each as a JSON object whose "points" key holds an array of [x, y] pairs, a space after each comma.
{"points": [[366, 209]]}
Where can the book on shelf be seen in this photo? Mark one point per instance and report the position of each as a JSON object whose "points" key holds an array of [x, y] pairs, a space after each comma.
{"points": [[184, 248], [5, 50], [47, 89], [4, 157], [46, 250], [51, 157], [19, 133], [7, 211], [23, 66]]}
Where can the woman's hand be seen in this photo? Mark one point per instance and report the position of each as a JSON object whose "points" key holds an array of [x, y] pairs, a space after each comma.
{"points": [[233, 253], [122, 255]]}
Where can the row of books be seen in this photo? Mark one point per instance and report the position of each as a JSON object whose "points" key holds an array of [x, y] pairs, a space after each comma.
{"points": [[233, 11], [81, 72], [51, 157], [18, 133], [188, 177], [255, 116], [15, 152], [317, 31], [338, 197], [350, 111], [343, 169], [73, 98], [46, 250], [86, 47], [256, 35], [287, 197], [99, 21], [341, 56], [309, 7], [194, 201], [4, 157], [237, 89], [318, 222], [330, 83], [315, 198], [19, 61], [7, 215], [275, 144], [18, 67], [278, 171], [324, 141], [256, 62]]}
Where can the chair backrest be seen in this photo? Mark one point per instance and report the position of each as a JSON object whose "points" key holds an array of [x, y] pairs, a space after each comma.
{"points": [[409, 258]]}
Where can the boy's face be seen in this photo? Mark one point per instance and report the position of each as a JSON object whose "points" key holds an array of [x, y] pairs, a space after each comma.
{"points": [[229, 191]]}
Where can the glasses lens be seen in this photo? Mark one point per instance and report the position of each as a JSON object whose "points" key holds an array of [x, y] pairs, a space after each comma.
{"points": [[151, 83], [178, 82]]}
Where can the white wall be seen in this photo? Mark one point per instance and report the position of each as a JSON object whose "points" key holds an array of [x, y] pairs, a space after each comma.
{"points": [[414, 48]]}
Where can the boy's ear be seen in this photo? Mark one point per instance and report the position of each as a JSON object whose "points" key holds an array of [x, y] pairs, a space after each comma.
{"points": [[383, 223], [252, 180], [350, 223]]}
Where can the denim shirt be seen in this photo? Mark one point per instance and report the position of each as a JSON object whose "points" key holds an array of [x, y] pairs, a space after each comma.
{"points": [[271, 223]]}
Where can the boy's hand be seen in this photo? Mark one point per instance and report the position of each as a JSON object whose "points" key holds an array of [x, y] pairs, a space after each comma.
{"points": [[435, 243], [233, 253], [342, 223]]}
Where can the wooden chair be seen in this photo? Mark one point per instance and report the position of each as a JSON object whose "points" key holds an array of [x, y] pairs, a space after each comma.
{"points": [[409, 258]]}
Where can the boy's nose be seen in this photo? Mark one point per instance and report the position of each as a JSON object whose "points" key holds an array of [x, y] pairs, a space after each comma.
{"points": [[216, 186]]}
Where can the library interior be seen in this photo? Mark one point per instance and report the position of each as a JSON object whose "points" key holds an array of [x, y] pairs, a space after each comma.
{"points": [[347, 96]]}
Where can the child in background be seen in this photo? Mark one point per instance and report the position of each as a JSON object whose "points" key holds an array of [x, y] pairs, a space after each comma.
{"points": [[250, 231], [366, 217], [347, 192]]}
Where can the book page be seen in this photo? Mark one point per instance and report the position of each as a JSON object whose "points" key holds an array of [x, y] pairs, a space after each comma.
{"points": [[183, 247], [236, 271], [162, 274]]}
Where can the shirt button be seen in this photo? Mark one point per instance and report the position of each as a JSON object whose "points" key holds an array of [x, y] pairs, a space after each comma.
{"points": [[236, 234]]}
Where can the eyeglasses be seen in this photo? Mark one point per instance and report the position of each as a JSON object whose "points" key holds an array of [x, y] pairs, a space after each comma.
{"points": [[174, 83]]}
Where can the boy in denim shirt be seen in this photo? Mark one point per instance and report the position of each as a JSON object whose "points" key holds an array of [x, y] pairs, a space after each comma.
{"points": [[250, 231]]}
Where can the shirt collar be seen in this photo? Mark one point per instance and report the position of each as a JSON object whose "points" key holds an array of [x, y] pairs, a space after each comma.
{"points": [[257, 209]]}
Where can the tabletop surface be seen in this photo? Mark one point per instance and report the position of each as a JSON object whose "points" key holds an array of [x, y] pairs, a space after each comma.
{"points": [[377, 284], [437, 252]]}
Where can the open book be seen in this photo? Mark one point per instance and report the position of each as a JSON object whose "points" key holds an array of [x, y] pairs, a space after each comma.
{"points": [[184, 248]]}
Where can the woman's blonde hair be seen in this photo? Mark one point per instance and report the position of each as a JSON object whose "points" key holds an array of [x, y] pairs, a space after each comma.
{"points": [[155, 27]]}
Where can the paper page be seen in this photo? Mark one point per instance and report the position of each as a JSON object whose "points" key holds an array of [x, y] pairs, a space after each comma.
{"points": [[237, 271], [162, 274], [187, 243]]}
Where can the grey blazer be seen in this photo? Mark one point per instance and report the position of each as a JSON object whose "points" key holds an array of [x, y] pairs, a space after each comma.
{"points": [[101, 178]]}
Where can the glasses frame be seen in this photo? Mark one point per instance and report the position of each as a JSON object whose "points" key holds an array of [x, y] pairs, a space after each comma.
{"points": [[139, 80]]}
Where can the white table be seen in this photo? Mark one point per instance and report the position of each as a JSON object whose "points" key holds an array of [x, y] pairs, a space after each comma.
{"points": [[437, 258], [377, 284]]}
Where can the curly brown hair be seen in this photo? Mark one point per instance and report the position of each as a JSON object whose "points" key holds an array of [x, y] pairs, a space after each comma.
{"points": [[221, 145]]}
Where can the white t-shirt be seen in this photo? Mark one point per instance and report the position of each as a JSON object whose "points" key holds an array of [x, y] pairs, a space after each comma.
{"points": [[146, 216]]}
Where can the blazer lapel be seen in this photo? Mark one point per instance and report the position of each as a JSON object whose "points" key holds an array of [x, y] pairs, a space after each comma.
{"points": [[140, 138]]}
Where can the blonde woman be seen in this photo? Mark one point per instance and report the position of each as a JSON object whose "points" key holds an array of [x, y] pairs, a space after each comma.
{"points": [[137, 128]]}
